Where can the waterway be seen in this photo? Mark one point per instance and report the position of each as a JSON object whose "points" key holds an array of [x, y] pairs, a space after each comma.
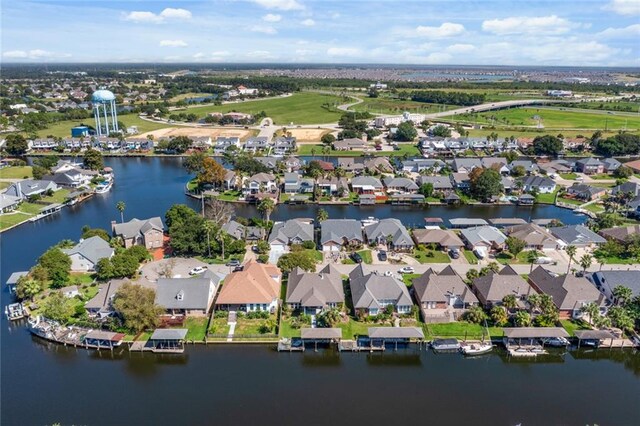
{"points": [[42, 383]]}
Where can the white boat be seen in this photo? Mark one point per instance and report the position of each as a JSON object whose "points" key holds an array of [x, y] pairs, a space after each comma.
{"points": [[369, 221], [14, 311], [104, 187], [476, 348], [445, 345], [556, 342]]}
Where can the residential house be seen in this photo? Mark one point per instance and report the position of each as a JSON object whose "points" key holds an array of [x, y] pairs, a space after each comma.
{"points": [[585, 192], [535, 236], [255, 288], [465, 165], [313, 292], [223, 143], [633, 165], [400, 184], [148, 232], [589, 166], [557, 166], [257, 144], [294, 183], [621, 234], [372, 292], [284, 145], [366, 185], [442, 293], [498, 163], [444, 238], [270, 162], [389, 232], [86, 254], [419, 164], [508, 184], [9, 203], [333, 186], [260, 182], [440, 183], [606, 281], [350, 144], [293, 231], [254, 233], [610, 165], [541, 184], [350, 165], [488, 237], [188, 297], [234, 229], [29, 188], [577, 235], [337, 233], [461, 181], [493, 287], [378, 165], [100, 306], [229, 182], [529, 166]]}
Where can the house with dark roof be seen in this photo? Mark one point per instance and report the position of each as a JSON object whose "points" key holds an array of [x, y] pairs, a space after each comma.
{"points": [[542, 184], [294, 183], [444, 238], [461, 181], [313, 292], [535, 236], [442, 293], [621, 234], [148, 232], [9, 203], [585, 192], [284, 145], [235, 230], [606, 281], [465, 165], [589, 166], [493, 287], [29, 187], [400, 184], [610, 165], [257, 144], [378, 164], [338, 233], [392, 230], [350, 165], [100, 306], [293, 231], [86, 254], [440, 183], [577, 235], [569, 293], [529, 166], [187, 296], [372, 292]]}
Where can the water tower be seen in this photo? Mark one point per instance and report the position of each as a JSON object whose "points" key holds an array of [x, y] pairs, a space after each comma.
{"points": [[104, 112]]}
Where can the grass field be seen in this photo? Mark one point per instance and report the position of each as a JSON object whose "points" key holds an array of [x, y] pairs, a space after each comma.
{"points": [[549, 198], [299, 108], [431, 256], [405, 148], [15, 172], [63, 128], [385, 105], [461, 330], [571, 326], [471, 258]]}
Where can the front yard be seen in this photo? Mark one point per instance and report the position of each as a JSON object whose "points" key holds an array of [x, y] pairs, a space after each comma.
{"points": [[522, 258], [471, 258], [22, 172], [408, 279], [366, 258], [423, 255]]}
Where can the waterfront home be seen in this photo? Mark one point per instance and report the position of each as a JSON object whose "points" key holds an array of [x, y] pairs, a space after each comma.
{"points": [[585, 192], [284, 145], [148, 232], [188, 296], [577, 235], [443, 238], [569, 293], [366, 185], [100, 306], [257, 144], [621, 234], [293, 231], [589, 166], [508, 184], [260, 182], [390, 232], [461, 181], [333, 186], [26, 188], [292, 163], [534, 236], [223, 143], [254, 233], [400, 184], [9, 203], [442, 297], [296, 184], [338, 233], [313, 292], [12, 281], [498, 163], [529, 166], [234, 229], [439, 183], [350, 144], [493, 287], [465, 165], [419, 164], [70, 291], [610, 165], [452, 198], [350, 165], [44, 144], [378, 165], [486, 236], [606, 281], [372, 292], [86, 254], [270, 162], [255, 288], [630, 188], [541, 184], [70, 179]]}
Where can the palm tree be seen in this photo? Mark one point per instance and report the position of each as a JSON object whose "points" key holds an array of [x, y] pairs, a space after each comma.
{"points": [[221, 234], [571, 251], [592, 310], [322, 215], [265, 207], [510, 301], [532, 256], [622, 294], [585, 262], [209, 227], [534, 301], [120, 206]]}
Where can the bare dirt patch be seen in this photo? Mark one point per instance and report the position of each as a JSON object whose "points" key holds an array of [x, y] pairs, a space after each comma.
{"points": [[196, 132], [308, 135]]}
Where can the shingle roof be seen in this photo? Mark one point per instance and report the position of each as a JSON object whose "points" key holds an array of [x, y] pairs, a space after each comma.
{"points": [[493, 287], [438, 182], [235, 229], [93, 249], [183, 293], [621, 233], [610, 279], [368, 289], [568, 292], [432, 287], [385, 227], [443, 237], [292, 230], [337, 230], [315, 288], [484, 234], [538, 182], [400, 182], [136, 227], [577, 235], [532, 234]]}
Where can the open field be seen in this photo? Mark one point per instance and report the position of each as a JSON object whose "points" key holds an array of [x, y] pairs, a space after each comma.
{"points": [[384, 105], [15, 172], [299, 108], [63, 128], [189, 95], [308, 135], [532, 133], [198, 131]]}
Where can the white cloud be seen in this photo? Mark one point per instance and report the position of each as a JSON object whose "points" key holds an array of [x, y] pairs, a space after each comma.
{"points": [[461, 48], [198, 55], [446, 29], [304, 52], [280, 4], [624, 7], [343, 51], [308, 22], [437, 58], [260, 54], [264, 29], [33, 54], [630, 31], [270, 17], [173, 43], [540, 25], [150, 17]]}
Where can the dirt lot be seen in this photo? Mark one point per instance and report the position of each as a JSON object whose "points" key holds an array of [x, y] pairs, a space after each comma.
{"points": [[194, 132], [308, 135]]}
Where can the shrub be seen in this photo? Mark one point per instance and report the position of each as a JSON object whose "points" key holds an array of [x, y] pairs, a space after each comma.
{"points": [[309, 245], [263, 258]]}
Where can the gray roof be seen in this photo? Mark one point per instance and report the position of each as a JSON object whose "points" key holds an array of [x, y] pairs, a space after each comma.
{"points": [[467, 163], [7, 200], [611, 163], [584, 189], [320, 333], [534, 332], [106, 292], [169, 334], [532, 234], [292, 231], [446, 238], [385, 227], [577, 235], [312, 289], [27, 187], [608, 280], [183, 293], [506, 221], [568, 291], [493, 287], [400, 182], [467, 222], [588, 161], [537, 182], [235, 229], [489, 235], [337, 230], [136, 227], [594, 334], [93, 249], [395, 333], [368, 289], [621, 233], [438, 182], [631, 187], [432, 287], [527, 164], [15, 276], [366, 181]]}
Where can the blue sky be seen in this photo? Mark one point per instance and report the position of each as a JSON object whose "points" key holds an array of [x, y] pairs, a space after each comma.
{"points": [[491, 32]]}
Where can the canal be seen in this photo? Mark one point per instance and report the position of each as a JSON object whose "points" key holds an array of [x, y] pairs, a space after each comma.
{"points": [[42, 383]]}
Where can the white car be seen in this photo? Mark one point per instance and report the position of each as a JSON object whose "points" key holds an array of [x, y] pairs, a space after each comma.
{"points": [[197, 270], [406, 270]]}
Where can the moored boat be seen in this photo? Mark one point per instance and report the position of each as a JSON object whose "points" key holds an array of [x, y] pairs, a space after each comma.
{"points": [[14, 311], [445, 345], [103, 187], [556, 342], [476, 348]]}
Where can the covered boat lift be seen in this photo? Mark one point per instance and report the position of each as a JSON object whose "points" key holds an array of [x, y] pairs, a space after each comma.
{"points": [[168, 340], [597, 335], [466, 222], [99, 339], [395, 335], [320, 335], [523, 341]]}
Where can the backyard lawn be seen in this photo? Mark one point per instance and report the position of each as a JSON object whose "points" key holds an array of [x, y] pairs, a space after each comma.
{"points": [[59, 196], [572, 325], [549, 198], [571, 201], [286, 330], [197, 328], [21, 172], [352, 328], [460, 330]]}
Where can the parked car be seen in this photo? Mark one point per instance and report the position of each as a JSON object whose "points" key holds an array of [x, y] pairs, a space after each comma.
{"points": [[454, 253], [406, 270], [382, 256], [356, 257], [238, 268], [254, 248], [233, 263], [543, 261], [197, 270]]}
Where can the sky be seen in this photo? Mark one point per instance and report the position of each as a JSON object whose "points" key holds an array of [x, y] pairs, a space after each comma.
{"points": [[449, 32]]}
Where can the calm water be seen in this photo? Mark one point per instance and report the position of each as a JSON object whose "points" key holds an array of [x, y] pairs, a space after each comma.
{"points": [[43, 383]]}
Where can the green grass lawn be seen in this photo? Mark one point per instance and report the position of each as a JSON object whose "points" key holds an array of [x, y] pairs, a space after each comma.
{"points": [[299, 108], [11, 219], [568, 176], [602, 176], [352, 328], [572, 325], [408, 278], [59, 196], [506, 258], [63, 128], [471, 258], [571, 201], [460, 330], [229, 196], [22, 172], [197, 328], [393, 106], [430, 256], [219, 326], [317, 255], [250, 327], [595, 208], [286, 330], [366, 258], [549, 198]]}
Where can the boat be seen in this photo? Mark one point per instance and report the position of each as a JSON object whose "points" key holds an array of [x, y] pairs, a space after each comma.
{"points": [[476, 348], [103, 187], [75, 336], [445, 345], [369, 221], [556, 342], [15, 311]]}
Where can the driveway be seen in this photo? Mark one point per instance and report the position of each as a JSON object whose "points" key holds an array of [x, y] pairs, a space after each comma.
{"points": [[176, 267]]}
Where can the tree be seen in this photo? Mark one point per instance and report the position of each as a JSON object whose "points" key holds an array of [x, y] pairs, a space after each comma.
{"points": [[195, 162], [88, 232], [39, 172], [532, 256], [510, 301], [212, 172], [534, 301], [488, 184], [321, 216], [179, 144], [441, 131], [472, 274], [16, 145], [329, 317], [265, 207], [27, 288], [522, 319], [426, 189], [136, 305], [92, 159], [179, 213], [515, 245], [547, 145], [475, 315], [592, 310], [314, 169], [297, 259], [623, 172], [328, 139], [58, 307], [622, 295], [120, 206], [57, 264], [406, 132], [498, 315], [104, 269], [210, 227], [219, 212], [585, 262], [571, 252], [620, 318], [518, 171]]}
